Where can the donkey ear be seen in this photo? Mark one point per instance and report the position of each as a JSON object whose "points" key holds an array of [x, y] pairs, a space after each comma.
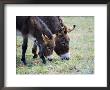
{"points": [[69, 30], [44, 39], [65, 30]]}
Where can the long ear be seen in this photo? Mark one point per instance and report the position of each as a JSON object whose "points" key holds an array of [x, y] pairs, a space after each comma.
{"points": [[69, 30], [45, 39], [65, 29]]}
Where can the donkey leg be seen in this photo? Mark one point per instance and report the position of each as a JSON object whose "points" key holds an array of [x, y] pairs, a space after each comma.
{"points": [[24, 48], [41, 53], [34, 50]]}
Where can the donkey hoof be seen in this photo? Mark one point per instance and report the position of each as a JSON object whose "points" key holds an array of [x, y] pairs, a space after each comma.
{"points": [[43, 59], [44, 62], [24, 62], [35, 56]]}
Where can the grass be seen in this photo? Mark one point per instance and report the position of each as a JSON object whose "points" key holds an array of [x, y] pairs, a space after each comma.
{"points": [[81, 50]]}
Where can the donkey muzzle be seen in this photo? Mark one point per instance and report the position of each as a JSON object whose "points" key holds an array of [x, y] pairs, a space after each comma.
{"points": [[65, 56], [50, 58]]}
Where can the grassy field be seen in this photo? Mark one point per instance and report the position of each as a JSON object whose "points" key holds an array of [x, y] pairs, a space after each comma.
{"points": [[81, 51]]}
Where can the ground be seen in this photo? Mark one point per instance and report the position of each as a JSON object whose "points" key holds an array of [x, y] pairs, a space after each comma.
{"points": [[81, 51]]}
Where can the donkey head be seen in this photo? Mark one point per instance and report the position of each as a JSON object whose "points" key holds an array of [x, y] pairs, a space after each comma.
{"points": [[62, 43], [49, 47]]}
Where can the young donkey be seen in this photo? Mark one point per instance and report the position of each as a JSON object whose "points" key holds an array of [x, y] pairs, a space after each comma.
{"points": [[57, 27], [33, 26]]}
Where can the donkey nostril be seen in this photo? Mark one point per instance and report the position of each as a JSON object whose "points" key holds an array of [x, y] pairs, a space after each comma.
{"points": [[67, 58], [50, 59]]}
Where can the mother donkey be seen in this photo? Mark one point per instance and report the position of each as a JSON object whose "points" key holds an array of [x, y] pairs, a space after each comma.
{"points": [[34, 26]]}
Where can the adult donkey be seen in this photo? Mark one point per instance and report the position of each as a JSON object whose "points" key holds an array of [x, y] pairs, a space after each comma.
{"points": [[33, 26], [57, 27], [62, 41]]}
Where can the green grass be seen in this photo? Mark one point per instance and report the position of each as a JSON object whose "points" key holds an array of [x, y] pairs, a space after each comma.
{"points": [[81, 50]]}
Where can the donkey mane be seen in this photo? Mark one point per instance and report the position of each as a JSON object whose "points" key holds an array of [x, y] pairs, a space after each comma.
{"points": [[52, 22]]}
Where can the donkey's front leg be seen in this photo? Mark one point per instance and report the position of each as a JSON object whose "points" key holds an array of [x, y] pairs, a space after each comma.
{"points": [[34, 49], [24, 48], [41, 53]]}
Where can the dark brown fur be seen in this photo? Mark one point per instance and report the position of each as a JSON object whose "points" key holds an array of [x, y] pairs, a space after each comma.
{"points": [[34, 26], [57, 27]]}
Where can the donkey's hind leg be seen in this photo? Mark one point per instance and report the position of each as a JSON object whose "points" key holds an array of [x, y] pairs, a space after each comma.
{"points": [[34, 49], [24, 48]]}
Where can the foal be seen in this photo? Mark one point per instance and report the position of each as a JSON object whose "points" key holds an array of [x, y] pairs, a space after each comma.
{"points": [[33, 26]]}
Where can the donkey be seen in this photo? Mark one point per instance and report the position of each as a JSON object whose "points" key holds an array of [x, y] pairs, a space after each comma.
{"points": [[62, 41], [52, 23], [33, 26], [57, 27]]}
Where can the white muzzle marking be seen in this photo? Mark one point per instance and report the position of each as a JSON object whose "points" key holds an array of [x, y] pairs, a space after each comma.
{"points": [[50, 57], [65, 56]]}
